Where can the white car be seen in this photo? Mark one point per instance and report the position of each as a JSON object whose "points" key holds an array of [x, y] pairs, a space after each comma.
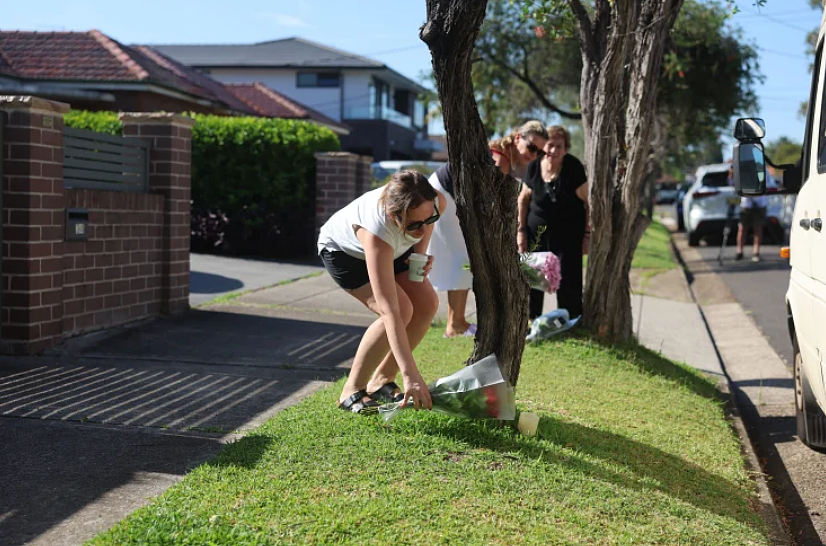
{"points": [[706, 206], [383, 169]]}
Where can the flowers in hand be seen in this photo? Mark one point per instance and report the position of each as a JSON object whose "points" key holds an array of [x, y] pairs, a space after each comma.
{"points": [[543, 270]]}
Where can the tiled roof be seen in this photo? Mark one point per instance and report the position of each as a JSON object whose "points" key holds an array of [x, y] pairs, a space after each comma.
{"points": [[287, 52], [94, 57], [270, 103]]}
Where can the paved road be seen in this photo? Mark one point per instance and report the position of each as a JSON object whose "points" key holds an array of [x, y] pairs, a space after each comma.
{"points": [[759, 287]]}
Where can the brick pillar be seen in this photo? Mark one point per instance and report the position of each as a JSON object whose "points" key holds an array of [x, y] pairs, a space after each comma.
{"points": [[171, 156], [336, 183], [33, 224], [364, 174]]}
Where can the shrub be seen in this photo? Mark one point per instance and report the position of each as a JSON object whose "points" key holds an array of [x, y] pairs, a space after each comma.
{"points": [[102, 122], [253, 181]]}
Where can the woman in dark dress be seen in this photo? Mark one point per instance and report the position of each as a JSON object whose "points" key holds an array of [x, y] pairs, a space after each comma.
{"points": [[555, 195]]}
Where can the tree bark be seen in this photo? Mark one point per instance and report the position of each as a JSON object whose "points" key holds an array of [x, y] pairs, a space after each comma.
{"points": [[622, 48], [485, 198]]}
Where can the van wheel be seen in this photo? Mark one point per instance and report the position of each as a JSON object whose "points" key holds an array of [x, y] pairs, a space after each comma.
{"points": [[693, 239], [811, 422]]}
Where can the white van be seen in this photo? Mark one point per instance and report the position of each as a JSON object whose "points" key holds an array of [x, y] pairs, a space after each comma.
{"points": [[806, 295]]}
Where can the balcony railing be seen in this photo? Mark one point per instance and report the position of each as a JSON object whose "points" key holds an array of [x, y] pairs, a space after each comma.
{"points": [[366, 112]]}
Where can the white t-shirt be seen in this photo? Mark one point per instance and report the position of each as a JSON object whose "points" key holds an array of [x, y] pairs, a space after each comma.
{"points": [[339, 232]]}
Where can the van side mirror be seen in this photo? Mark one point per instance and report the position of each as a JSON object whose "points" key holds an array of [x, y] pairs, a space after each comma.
{"points": [[748, 129], [749, 165]]}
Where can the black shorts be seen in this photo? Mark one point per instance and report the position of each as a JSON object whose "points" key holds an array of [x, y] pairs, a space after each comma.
{"points": [[351, 273]]}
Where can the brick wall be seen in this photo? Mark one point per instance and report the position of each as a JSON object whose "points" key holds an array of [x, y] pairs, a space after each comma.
{"points": [[340, 178], [114, 276], [135, 262]]}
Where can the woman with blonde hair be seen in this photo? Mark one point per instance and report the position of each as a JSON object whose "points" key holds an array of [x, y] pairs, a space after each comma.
{"points": [[447, 244], [513, 152], [366, 248]]}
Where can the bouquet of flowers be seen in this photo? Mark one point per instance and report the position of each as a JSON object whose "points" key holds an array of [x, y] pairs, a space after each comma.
{"points": [[476, 392], [543, 270]]}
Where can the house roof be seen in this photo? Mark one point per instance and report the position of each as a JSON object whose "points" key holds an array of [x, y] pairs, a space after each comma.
{"points": [[94, 57], [287, 52], [293, 53], [270, 103]]}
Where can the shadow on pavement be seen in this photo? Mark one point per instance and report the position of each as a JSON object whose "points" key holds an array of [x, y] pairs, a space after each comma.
{"points": [[766, 434], [52, 470], [137, 410], [209, 283]]}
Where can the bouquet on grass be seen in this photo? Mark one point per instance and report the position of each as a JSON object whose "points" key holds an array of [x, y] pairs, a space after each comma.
{"points": [[476, 392], [550, 324], [543, 270]]}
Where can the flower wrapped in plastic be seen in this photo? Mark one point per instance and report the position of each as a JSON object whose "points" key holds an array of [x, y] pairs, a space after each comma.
{"points": [[550, 324], [543, 270], [477, 391]]}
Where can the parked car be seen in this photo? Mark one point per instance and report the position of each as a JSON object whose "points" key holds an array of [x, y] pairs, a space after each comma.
{"points": [[666, 195], [706, 206], [383, 169], [805, 308], [679, 206]]}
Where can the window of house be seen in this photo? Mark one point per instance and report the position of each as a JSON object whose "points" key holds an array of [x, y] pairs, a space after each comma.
{"points": [[318, 79]]}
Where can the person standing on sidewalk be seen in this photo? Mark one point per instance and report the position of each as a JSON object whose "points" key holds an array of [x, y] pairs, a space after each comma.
{"points": [[366, 247]]}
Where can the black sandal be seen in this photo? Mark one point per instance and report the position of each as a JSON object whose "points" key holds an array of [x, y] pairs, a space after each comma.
{"points": [[355, 404], [385, 393]]}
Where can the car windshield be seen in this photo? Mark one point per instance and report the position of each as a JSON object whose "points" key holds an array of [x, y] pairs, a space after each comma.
{"points": [[716, 180]]}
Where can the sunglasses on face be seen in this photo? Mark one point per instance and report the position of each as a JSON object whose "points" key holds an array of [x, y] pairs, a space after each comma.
{"points": [[534, 149], [416, 226]]}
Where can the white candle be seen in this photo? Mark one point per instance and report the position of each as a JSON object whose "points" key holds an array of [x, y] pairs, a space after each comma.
{"points": [[528, 423]]}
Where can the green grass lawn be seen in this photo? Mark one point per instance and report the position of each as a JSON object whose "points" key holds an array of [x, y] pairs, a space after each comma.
{"points": [[653, 252], [632, 449], [654, 249]]}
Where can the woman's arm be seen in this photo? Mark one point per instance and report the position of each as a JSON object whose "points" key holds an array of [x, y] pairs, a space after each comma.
{"points": [[582, 192], [379, 257], [523, 203], [502, 162]]}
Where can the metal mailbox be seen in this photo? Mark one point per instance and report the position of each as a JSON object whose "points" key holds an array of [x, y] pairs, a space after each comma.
{"points": [[77, 224]]}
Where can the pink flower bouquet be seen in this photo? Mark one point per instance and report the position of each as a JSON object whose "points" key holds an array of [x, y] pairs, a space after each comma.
{"points": [[543, 270]]}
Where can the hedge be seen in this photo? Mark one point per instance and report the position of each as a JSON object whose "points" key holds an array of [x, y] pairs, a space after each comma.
{"points": [[253, 181]]}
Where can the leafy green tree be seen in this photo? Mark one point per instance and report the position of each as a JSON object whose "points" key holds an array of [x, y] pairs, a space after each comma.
{"points": [[783, 150]]}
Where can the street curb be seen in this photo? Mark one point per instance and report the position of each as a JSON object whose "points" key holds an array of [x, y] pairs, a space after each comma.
{"points": [[765, 505]]}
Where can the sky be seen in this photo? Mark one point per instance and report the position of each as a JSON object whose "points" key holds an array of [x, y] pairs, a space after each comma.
{"points": [[387, 30]]}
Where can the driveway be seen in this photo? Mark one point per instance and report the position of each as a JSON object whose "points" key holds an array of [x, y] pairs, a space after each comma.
{"points": [[213, 276]]}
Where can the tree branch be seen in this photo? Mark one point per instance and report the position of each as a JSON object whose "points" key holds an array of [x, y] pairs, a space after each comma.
{"points": [[525, 78], [585, 30]]}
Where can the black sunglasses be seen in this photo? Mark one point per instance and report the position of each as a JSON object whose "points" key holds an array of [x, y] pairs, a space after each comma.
{"points": [[534, 149], [416, 226]]}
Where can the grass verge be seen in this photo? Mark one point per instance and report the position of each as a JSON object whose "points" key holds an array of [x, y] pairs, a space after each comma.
{"points": [[654, 250], [632, 449]]}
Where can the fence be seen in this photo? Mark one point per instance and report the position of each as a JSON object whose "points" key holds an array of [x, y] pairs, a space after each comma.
{"points": [[104, 162], [78, 256]]}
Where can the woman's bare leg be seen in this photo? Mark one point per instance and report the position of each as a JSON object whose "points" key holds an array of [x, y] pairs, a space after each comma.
{"points": [[374, 345], [425, 303], [457, 324]]}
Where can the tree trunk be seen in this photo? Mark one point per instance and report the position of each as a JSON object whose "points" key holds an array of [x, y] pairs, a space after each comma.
{"points": [[485, 198], [622, 50]]}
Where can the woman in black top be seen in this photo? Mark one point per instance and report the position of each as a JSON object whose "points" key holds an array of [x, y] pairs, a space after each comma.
{"points": [[555, 195]]}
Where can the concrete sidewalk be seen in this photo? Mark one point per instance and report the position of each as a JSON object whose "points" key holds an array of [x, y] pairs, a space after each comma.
{"points": [[94, 430]]}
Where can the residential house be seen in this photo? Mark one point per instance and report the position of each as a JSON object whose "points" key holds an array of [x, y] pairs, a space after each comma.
{"points": [[91, 71], [383, 108], [270, 103]]}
